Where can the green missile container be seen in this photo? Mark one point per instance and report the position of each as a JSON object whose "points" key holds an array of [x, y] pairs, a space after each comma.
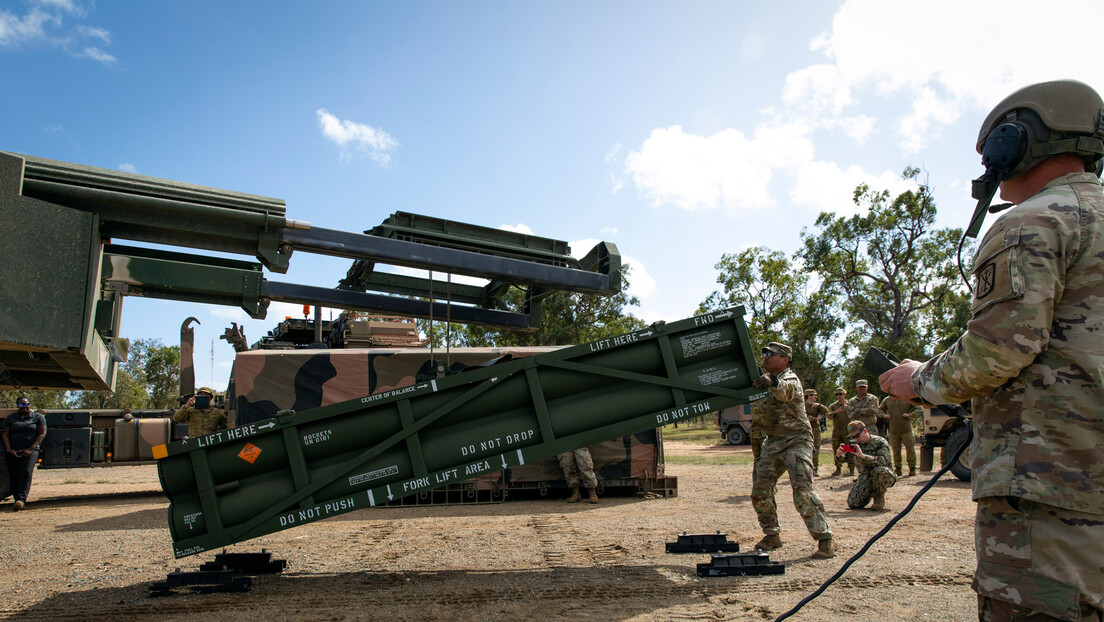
{"points": [[299, 467]]}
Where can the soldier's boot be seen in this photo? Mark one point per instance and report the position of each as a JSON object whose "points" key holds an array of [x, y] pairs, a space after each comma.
{"points": [[879, 502], [769, 542], [18, 505], [912, 471], [850, 471], [837, 471], [825, 549], [575, 497], [897, 471], [592, 495]]}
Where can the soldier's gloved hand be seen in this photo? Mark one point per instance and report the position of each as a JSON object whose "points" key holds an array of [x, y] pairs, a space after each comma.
{"points": [[764, 381]]}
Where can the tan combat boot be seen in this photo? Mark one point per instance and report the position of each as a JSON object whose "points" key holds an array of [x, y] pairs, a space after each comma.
{"points": [[836, 472], [575, 497], [879, 502], [592, 495], [825, 549], [769, 542]]}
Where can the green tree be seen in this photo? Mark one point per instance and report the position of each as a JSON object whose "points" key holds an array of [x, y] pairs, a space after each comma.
{"points": [[162, 371], [566, 318], [131, 381], [782, 306], [895, 271], [39, 398]]}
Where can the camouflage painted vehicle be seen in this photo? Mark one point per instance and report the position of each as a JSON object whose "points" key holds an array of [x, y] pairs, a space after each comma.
{"points": [[265, 381], [950, 433], [734, 424]]}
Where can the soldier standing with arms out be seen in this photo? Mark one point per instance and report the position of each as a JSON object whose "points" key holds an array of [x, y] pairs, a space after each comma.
{"points": [[788, 447], [1032, 360], [200, 414], [864, 406], [816, 413], [875, 477], [838, 413], [900, 413]]}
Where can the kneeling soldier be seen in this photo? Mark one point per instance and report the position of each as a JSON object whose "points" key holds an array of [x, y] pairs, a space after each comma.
{"points": [[875, 467]]}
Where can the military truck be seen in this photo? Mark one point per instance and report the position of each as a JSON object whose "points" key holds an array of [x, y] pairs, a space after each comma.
{"points": [[734, 424], [950, 433]]}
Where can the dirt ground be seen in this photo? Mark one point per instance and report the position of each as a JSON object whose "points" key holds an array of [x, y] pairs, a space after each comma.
{"points": [[92, 540]]}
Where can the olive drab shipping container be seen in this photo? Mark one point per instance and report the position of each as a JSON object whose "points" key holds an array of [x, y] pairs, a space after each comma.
{"points": [[300, 467], [264, 382]]}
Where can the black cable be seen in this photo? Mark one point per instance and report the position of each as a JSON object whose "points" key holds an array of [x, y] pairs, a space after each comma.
{"points": [[884, 530]]}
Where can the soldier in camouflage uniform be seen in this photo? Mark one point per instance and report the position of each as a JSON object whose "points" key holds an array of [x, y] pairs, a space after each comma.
{"points": [[875, 467], [788, 447], [1032, 360], [579, 461], [837, 412], [900, 414], [864, 406], [816, 413], [200, 414]]}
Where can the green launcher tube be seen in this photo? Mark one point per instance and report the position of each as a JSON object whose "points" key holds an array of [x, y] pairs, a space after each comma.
{"points": [[300, 467]]}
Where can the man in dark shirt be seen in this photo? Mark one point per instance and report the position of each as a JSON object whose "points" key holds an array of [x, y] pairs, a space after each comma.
{"points": [[23, 432]]}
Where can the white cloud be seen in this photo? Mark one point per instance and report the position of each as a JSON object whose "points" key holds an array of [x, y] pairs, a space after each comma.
{"points": [[356, 138], [45, 23], [727, 169], [16, 30], [936, 60], [518, 228], [695, 172], [96, 32], [824, 187], [127, 167], [97, 54], [927, 67]]}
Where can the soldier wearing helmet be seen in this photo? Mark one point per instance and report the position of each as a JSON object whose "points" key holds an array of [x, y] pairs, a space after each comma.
{"points": [[1032, 360], [200, 413]]}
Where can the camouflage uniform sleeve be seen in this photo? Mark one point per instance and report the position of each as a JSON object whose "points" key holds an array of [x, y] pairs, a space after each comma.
{"points": [[1018, 276], [879, 454], [789, 387], [182, 414]]}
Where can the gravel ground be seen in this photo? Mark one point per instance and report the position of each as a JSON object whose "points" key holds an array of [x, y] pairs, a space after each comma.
{"points": [[92, 540]]}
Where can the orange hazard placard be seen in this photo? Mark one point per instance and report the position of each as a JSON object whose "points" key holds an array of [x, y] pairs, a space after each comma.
{"points": [[249, 453]]}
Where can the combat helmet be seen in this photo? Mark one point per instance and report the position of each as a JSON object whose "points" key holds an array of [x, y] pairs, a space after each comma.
{"points": [[1044, 120]]}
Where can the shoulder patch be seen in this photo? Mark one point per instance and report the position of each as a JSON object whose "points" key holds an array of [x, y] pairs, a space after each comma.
{"points": [[997, 274]]}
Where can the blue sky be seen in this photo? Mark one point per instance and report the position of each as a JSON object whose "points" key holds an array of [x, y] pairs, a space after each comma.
{"points": [[677, 130]]}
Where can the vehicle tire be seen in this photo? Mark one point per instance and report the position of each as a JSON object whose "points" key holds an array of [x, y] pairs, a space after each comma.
{"points": [[961, 467], [736, 436]]}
